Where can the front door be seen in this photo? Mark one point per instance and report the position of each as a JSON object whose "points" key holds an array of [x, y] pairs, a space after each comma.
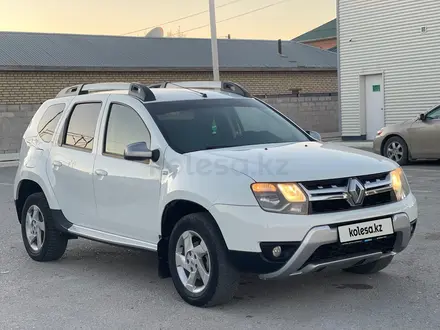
{"points": [[424, 136], [70, 165], [127, 192], [374, 105]]}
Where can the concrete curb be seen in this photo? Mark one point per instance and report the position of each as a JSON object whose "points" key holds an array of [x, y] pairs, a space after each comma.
{"points": [[9, 160], [12, 163], [9, 157]]}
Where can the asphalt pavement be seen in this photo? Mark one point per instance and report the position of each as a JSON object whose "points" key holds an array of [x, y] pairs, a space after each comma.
{"points": [[97, 286]]}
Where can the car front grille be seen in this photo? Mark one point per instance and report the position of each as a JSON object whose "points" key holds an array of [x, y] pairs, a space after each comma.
{"points": [[342, 194], [338, 251]]}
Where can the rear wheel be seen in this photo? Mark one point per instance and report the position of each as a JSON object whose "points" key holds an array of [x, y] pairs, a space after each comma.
{"points": [[396, 149], [199, 264], [371, 268], [41, 240]]}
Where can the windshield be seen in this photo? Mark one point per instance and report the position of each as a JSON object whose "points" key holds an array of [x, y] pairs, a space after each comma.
{"points": [[195, 125]]}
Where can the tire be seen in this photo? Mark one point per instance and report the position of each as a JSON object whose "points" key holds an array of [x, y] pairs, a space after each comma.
{"points": [[371, 268], [400, 148], [52, 243], [223, 279]]}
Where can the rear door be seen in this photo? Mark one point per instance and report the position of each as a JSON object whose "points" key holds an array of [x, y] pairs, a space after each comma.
{"points": [[127, 192], [424, 136], [70, 166]]}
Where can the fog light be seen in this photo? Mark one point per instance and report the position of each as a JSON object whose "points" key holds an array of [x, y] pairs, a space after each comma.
{"points": [[276, 251]]}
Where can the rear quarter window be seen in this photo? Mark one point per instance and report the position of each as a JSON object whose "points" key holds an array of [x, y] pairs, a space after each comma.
{"points": [[49, 121]]}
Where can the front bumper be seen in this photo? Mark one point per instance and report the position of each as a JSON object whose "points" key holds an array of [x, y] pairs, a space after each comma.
{"points": [[323, 235]]}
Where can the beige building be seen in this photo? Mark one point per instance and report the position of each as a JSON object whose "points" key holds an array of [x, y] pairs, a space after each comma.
{"points": [[389, 63], [324, 36], [35, 67]]}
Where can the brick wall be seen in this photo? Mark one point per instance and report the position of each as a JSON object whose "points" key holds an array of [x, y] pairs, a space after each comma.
{"points": [[316, 113], [13, 122], [22, 92], [36, 87]]}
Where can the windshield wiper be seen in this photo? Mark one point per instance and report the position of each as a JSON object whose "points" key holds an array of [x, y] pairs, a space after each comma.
{"points": [[218, 147]]}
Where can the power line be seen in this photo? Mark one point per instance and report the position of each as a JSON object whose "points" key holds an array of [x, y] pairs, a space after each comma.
{"points": [[181, 18], [240, 15]]}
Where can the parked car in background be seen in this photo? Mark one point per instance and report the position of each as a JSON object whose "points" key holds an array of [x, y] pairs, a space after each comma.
{"points": [[413, 139]]}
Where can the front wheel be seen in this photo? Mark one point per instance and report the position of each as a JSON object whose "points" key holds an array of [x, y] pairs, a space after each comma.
{"points": [[396, 149], [199, 264]]}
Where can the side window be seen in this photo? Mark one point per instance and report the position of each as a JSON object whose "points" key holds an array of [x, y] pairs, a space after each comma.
{"points": [[49, 121], [434, 114], [82, 126], [124, 126]]}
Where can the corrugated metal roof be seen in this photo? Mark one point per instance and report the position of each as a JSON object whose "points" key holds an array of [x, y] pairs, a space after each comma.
{"points": [[325, 31], [42, 51]]}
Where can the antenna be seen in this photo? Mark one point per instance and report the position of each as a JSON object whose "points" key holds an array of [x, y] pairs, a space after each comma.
{"points": [[155, 33], [204, 95]]}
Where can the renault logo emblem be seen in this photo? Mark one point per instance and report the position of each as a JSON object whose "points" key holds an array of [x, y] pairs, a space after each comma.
{"points": [[356, 192]]}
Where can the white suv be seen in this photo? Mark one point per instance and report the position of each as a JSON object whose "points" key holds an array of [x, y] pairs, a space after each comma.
{"points": [[216, 182]]}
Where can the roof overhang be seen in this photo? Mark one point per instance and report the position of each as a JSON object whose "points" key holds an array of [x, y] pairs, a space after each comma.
{"points": [[320, 39], [143, 69]]}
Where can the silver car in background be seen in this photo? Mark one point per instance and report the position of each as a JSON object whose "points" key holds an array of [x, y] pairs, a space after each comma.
{"points": [[418, 138]]}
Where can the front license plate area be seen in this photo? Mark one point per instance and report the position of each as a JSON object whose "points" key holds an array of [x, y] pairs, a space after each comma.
{"points": [[365, 230]]}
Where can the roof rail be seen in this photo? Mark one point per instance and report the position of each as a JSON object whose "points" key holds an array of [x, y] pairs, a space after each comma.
{"points": [[225, 86], [137, 90]]}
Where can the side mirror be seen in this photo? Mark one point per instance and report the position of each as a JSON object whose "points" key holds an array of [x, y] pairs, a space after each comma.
{"points": [[314, 135], [139, 152], [422, 117]]}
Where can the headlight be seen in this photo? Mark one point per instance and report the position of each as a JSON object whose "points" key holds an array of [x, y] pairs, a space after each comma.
{"points": [[400, 184], [281, 197], [379, 132]]}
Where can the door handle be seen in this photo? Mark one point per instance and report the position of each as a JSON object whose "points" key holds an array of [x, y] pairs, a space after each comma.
{"points": [[101, 173], [57, 164]]}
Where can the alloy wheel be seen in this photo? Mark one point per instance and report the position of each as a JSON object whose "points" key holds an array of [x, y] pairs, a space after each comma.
{"points": [[35, 228], [193, 261], [395, 151]]}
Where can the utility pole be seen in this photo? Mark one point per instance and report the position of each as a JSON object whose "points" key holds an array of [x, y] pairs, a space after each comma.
{"points": [[214, 46]]}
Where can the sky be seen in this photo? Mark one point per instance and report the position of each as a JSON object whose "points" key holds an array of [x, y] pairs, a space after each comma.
{"points": [[115, 17]]}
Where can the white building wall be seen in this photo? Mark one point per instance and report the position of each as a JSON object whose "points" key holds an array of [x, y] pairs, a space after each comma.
{"points": [[385, 36]]}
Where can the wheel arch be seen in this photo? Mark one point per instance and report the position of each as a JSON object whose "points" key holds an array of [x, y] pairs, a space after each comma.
{"points": [[31, 183], [172, 213], [25, 189], [384, 142]]}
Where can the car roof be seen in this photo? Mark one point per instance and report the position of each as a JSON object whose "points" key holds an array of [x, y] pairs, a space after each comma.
{"points": [[177, 94], [180, 94]]}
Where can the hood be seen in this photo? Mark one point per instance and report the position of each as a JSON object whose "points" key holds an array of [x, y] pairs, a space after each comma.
{"points": [[294, 162], [400, 126]]}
